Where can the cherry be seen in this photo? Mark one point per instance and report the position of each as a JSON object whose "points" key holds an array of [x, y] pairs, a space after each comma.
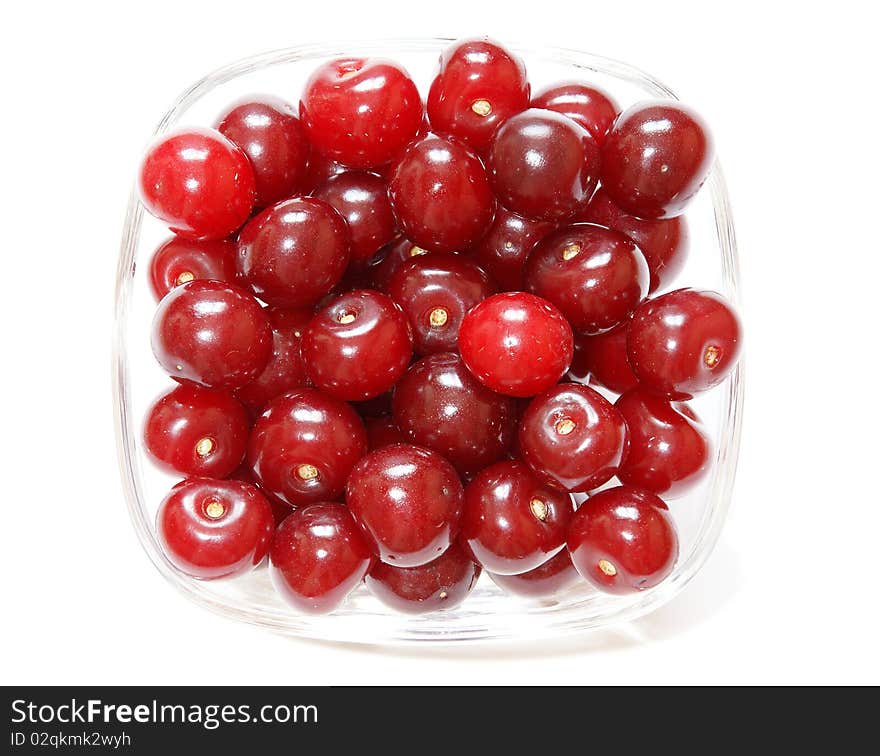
{"points": [[656, 158], [513, 522], [572, 437], [543, 165], [408, 500], [304, 445], [438, 404], [478, 86], [683, 342], [669, 449], [590, 107], [358, 346], [441, 195], [441, 584], [280, 509], [602, 359], [383, 431], [211, 333], [361, 111], [436, 291], [319, 170], [390, 258], [214, 528], [595, 276], [548, 579], [180, 260], [516, 343], [623, 540], [270, 134], [198, 182], [294, 253]]}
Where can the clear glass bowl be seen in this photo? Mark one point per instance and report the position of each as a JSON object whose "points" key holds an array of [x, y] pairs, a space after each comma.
{"points": [[487, 614]]}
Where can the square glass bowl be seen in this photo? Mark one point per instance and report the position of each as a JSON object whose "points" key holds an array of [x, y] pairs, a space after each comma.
{"points": [[487, 614]]}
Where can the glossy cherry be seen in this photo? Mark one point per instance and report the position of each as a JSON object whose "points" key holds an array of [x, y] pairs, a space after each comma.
{"points": [[588, 106], [280, 509], [383, 431], [516, 343], [408, 500], [622, 540], [546, 580], [602, 359], [198, 182], [180, 260], [389, 259]]}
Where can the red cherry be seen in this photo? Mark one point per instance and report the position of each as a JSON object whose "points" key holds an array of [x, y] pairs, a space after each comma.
{"points": [[198, 182], [382, 431], [623, 540], [319, 170], [211, 333], [602, 359], [548, 579], [587, 106], [214, 528], [180, 260], [280, 509], [390, 258], [516, 344]]}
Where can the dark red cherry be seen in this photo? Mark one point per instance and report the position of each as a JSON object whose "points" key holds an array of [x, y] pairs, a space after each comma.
{"points": [[655, 159], [441, 195], [438, 404], [318, 557], [573, 437], [592, 108], [211, 333], [389, 259], [622, 540], [595, 276], [383, 431], [304, 445], [683, 342], [516, 343], [602, 359], [319, 170], [198, 182], [478, 86], [408, 500], [378, 406], [214, 528], [360, 111], [270, 134], [441, 584], [280, 509], [543, 165], [180, 260], [294, 253], [358, 346], [546, 580]]}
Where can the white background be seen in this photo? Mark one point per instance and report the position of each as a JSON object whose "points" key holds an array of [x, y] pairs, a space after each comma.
{"points": [[791, 593]]}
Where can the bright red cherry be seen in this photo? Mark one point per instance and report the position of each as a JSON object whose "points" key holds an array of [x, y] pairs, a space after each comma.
{"points": [[595, 276], [546, 580], [656, 158], [592, 108], [361, 111], [304, 445], [318, 557], [543, 165], [198, 182], [294, 253], [180, 260], [211, 333], [622, 540], [441, 195], [478, 86], [602, 359], [573, 437], [408, 500], [683, 342], [270, 134], [383, 431], [214, 528], [358, 346], [516, 343]]}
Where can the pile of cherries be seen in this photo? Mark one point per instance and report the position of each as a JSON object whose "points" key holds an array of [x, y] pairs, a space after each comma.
{"points": [[383, 317]]}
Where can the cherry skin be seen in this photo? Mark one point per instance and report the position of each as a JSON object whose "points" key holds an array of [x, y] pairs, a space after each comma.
{"points": [[280, 509], [436, 291], [304, 445], [408, 500], [198, 182], [319, 170], [592, 108], [389, 259], [180, 260], [358, 346], [318, 557], [438, 404], [441, 195], [656, 158], [573, 437], [546, 580], [669, 449], [516, 343], [478, 86], [211, 333], [595, 276], [294, 253], [683, 342], [543, 165], [383, 431], [214, 528], [512, 521], [602, 359], [270, 134], [622, 540], [361, 111]]}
